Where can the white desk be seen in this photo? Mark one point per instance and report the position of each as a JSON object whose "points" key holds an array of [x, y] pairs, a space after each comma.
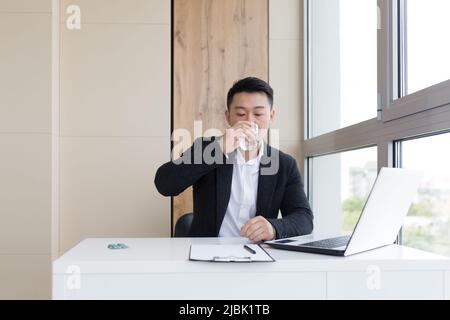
{"points": [[160, 269]]}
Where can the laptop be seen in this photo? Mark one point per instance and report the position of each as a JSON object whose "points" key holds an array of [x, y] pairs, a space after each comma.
{"points": [[380, 220]]}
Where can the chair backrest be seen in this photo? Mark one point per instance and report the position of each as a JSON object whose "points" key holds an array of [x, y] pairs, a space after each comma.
{"points": [[183, 225]]}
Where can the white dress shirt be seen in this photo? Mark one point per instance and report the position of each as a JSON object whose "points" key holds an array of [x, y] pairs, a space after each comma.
{"points": [[244, 189]]}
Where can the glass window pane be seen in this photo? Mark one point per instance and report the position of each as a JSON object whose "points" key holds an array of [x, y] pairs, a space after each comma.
{"points": [[340, 186], [427, 45], [342, 63], [427, 226]]}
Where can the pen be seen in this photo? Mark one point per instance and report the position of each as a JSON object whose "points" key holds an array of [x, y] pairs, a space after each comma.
{"points": [[246, 247]]}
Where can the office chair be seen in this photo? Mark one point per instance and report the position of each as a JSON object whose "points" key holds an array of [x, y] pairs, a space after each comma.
{"points": [[183, 225]]}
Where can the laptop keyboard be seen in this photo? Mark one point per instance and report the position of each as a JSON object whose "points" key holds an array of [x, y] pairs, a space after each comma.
{"points": [[329, 243]]}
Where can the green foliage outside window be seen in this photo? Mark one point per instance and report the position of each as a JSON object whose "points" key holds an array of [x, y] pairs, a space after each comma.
{"points": [[433, 236]]}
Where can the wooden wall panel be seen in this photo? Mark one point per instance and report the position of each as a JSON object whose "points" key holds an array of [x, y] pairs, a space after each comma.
{"points": [[216, 42]]}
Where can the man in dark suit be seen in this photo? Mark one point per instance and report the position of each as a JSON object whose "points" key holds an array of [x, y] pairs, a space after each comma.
{"points": [[240, 183]]}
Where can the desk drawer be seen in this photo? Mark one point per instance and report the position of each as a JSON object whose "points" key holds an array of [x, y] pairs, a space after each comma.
{"points": [[447, 285], [376, 284], [224, 286]]}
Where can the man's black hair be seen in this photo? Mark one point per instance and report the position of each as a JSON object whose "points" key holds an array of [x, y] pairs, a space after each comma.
{"points": [[250, 85]]}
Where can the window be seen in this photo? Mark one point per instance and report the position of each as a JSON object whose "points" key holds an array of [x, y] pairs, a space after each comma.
{"points": [[427, 226], [413, 56], [427, 46], [343, 63], [341, 183], [358, 61]]}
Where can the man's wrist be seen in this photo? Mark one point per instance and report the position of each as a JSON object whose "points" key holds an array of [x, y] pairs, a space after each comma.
{"points": [[274, 232]]}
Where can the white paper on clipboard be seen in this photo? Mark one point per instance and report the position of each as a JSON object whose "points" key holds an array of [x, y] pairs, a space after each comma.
{"points": [[228, 253]]}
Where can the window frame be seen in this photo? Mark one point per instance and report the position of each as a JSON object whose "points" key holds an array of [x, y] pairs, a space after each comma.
{"points": [[416, 115], [394, 103], [398, 160]]}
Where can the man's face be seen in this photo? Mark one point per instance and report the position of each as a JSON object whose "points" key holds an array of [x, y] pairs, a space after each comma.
{"points": [[252, 107]]}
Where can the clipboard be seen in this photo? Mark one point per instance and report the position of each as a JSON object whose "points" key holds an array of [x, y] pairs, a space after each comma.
{"points": [[229, 253]]}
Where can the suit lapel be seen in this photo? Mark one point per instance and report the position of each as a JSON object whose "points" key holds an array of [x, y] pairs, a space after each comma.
{"points": [[224, 177], [266, 185]]}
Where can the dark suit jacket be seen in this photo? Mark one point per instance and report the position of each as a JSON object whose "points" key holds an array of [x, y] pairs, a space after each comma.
{"points": [[281, 191]]}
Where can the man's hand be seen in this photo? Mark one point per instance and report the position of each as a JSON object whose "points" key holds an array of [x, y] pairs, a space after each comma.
{"points": [[230, 141], [258, 229]]}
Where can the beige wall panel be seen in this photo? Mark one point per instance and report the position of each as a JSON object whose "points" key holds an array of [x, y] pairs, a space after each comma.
{"points": [[293, 149], [284, 19], [26, 6], [25, 149], [120, 11], [25, 77], [107, 189], [115, 80], [25, 277], [25, 193], [285, 78], [286, 74]]}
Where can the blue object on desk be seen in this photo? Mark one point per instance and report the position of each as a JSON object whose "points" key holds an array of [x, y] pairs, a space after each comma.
{"points": [[115, 246]]}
